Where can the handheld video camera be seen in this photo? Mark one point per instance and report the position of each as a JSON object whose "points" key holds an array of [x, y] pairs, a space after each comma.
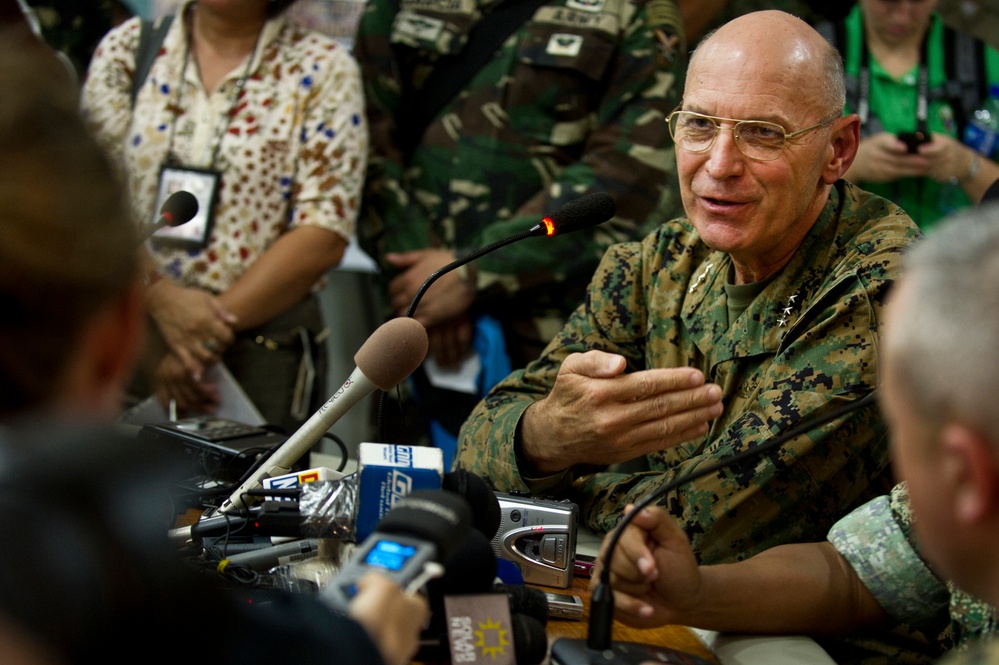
{"points": [[539, 536]]}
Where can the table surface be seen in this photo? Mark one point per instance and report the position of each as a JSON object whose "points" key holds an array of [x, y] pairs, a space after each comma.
{"points": [[675, 637]]}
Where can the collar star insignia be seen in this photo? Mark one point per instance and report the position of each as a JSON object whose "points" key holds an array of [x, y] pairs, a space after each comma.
{"points": [[701, 277], [788, 308]]}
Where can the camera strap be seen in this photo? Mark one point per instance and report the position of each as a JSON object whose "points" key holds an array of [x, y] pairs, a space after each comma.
{"points": [[452, 72], [922, 89]]}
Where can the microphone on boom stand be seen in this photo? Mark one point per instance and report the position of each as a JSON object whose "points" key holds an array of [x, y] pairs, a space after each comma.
{"points": [[585, 212]]}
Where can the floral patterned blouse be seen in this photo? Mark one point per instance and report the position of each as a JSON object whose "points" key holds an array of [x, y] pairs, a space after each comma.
{"points": [[292, 146]]}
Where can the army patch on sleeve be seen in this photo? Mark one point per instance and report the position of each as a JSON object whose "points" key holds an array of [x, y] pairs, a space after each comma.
{"points": [[564, 44], [667, 25]]}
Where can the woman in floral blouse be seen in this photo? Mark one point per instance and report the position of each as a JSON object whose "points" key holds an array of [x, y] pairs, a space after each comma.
{"points": [[263, 121]]}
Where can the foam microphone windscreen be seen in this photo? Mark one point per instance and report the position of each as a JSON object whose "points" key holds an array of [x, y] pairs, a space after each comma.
{"points": [[471, 568], [584, 212], [442, 518], [485, 505], [392, 352], [530, 640], [179, 208], [526, 600]]}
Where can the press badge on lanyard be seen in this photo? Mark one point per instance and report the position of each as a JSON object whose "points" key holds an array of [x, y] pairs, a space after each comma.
{"points": [[204, 185]]}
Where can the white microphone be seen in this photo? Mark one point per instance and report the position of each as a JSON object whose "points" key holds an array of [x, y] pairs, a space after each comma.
{"points": [[386, 358], [179, 208]]}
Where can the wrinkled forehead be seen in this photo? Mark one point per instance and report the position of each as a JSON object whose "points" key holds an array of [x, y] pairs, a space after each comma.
{"points": [[764, 78]]}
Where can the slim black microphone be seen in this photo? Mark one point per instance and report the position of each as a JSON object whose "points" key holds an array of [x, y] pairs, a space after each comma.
{"points": [[582, 213], [179, 208], [598, 647]]}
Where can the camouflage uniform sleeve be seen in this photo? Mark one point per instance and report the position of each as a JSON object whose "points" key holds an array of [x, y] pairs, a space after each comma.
{"points": [[985, 652], [487, 440], [777, 371], [774, 376], [384, 197], [874, 539]]}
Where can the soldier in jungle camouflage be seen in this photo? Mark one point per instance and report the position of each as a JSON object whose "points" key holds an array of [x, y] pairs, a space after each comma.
{"points": [[756, 312], [572, 102]]}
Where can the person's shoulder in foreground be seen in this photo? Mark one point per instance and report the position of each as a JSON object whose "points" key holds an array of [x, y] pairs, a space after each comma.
{"points": [[84, 513], [757, 312]]}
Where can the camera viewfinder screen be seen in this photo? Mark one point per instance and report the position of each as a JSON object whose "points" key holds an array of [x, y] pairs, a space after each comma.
{"points": [[389, 555]]}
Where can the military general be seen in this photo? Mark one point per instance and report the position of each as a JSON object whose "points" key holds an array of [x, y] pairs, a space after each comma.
{"points": [[757, 311]]}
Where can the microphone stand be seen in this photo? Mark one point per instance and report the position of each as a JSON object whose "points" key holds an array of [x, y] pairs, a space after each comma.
{"points": [[584, 212], [598, 645], [536, 230], [546, 227]]}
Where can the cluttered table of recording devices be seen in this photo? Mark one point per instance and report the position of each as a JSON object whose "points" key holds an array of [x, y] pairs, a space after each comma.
{"points": [[668, 644]]}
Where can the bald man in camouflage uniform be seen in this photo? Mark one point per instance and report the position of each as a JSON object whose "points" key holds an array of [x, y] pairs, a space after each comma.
{"points": [[757, 312], [572, 102]]}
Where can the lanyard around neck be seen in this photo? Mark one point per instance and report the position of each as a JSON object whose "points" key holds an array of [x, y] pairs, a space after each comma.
{"points": [[237, 90], [922, 89]]}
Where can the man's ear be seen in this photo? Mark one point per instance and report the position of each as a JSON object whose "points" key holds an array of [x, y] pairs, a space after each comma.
{"points": [[110, 349], [968, 465], [843, 145]]}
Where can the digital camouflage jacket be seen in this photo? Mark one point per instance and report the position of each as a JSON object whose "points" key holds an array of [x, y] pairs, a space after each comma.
{"points": [[806, 345], [879, 542], [573, 101]]}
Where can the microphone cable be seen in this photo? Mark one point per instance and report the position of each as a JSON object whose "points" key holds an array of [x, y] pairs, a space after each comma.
{"points": [[602, 600], [580, 213]]}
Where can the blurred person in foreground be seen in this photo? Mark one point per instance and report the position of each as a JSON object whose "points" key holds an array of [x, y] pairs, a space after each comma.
{"points": [[79, 503], [758, 311], [925, 554]]}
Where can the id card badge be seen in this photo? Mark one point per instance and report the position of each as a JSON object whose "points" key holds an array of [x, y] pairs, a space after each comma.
{"points": [[204, 185]]}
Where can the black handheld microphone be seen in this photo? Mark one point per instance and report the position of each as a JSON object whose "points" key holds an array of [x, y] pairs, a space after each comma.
{"points": [[410, 544], [179, 208], [598, 647], [582, 213], [474, 489]]}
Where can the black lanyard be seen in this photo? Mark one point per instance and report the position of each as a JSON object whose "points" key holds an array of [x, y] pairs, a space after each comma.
{"points": [[234, 95], [922, 89]]}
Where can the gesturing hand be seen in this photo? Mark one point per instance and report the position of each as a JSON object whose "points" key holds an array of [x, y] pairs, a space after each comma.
{"points": [[596, 414]]}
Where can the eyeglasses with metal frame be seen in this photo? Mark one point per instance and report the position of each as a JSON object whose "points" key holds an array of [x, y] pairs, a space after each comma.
{"points": [[757, 139]]}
